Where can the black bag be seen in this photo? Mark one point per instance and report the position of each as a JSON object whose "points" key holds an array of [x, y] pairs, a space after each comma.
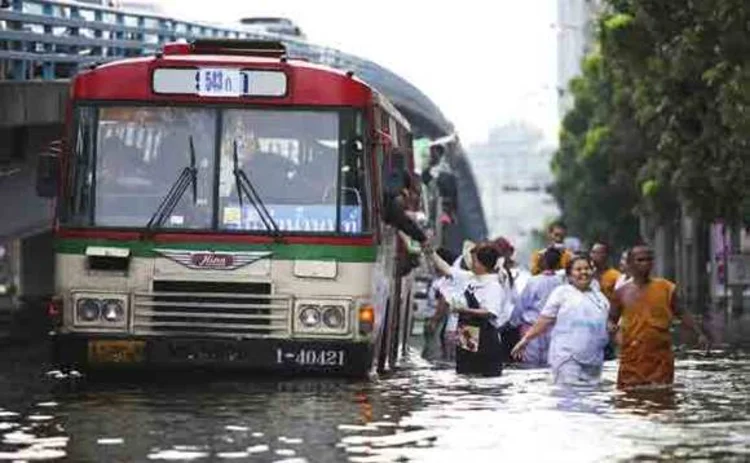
{"points": [[487, 361]]}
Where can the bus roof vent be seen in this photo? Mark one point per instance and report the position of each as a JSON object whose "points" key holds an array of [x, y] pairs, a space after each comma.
{"points": [[265, 48]]}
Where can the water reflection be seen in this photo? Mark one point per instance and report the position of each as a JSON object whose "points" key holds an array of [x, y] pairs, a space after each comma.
{"points": [[423, 413]]}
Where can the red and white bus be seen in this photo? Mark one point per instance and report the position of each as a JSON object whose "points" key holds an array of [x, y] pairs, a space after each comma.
{"points": [[219, 205]]}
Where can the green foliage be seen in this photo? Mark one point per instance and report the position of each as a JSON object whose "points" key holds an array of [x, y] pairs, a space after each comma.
{"points": [[661, 117]]}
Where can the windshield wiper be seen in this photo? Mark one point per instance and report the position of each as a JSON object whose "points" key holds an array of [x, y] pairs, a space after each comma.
{"points": [[188, 177], [245, 186]]}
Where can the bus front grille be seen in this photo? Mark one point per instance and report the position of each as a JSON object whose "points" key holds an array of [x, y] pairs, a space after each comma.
{"points": [[202, 308]]}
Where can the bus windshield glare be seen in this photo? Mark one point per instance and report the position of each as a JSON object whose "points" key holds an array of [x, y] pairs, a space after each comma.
{"points": [[302, 164]]}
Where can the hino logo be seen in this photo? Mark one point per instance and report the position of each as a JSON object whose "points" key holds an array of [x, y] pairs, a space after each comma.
{"points": [[208, 260]]}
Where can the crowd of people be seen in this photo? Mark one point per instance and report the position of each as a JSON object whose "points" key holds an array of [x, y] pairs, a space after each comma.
{"points": [[570, 313]]}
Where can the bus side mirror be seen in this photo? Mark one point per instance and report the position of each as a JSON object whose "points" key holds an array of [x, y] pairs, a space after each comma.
{"points": [[48, 172]]}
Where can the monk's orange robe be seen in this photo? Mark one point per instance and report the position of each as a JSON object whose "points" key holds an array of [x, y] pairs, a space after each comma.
{"points": [[646, 356], [536, 260], [607, 281]]}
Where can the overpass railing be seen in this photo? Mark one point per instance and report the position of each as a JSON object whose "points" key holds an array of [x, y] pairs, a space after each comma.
{"points": [[48, 39]]}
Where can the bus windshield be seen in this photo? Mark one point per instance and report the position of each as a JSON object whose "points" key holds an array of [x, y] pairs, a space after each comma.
{"points": [[128, 161]]}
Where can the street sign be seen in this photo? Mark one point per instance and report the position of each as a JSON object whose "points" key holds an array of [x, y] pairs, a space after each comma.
{"points": [[738, 270]]}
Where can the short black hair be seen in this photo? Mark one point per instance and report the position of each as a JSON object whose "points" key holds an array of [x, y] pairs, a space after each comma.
{"points": [[601, 242], [576, 257], [639, 244], [487, 256], [557, 224], [551, 258]]}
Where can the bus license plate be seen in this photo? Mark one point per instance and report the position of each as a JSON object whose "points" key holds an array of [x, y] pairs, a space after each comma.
{"points": [[116, 351], [219, 82], [311, 357]]}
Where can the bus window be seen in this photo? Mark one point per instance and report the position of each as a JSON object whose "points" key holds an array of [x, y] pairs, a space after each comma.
{"points": [[291, 158], [77, 207], [354, 191], [141, 152]]}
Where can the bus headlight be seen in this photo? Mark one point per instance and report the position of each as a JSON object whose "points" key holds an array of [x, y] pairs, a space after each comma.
{"points": [[309, 316], [87, 309], [113, 310], [333, 316], [321, 318], [100, 310]]}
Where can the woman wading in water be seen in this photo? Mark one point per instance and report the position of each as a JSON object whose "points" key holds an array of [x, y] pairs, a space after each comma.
{"points": [[579, 313], [482, 311]]}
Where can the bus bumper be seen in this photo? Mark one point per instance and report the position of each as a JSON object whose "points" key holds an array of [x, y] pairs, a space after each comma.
{"points": [[87, 352]]}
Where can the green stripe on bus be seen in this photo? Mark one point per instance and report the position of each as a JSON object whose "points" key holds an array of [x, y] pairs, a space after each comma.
{"points": [[280, 251]]}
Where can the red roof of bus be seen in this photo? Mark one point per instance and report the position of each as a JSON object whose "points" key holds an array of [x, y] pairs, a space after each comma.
{"points": [[309, 84]]}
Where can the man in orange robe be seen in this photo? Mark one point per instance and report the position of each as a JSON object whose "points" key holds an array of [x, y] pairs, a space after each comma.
{"points": [[556, 234], [645, 308], [605, 274]]}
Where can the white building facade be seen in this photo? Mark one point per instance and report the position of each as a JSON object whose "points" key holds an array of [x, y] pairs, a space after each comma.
{"points": [[512, 172], [575, 39]]}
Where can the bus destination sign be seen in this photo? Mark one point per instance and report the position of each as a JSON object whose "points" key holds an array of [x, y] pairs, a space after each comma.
{"points": [[219, 82]]}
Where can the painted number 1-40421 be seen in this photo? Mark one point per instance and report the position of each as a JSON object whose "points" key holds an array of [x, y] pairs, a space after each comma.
{"points": [[312, 357]]}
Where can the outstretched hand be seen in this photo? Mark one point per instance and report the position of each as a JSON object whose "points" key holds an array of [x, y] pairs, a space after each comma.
{"points": [[518, 350]]}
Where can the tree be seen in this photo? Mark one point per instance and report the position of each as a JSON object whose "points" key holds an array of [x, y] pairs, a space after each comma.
{"points": [[593, 180], [686, 63], [661, 118]]}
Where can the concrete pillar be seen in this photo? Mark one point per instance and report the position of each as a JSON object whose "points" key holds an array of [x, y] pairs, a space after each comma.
{"points": [[19, 140]]}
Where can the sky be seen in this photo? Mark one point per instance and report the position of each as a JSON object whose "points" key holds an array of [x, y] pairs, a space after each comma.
{"points": [[484, 63]]}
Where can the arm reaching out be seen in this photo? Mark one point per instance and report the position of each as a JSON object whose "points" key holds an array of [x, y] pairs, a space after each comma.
{"points": [[687, 319], [542, 324]]}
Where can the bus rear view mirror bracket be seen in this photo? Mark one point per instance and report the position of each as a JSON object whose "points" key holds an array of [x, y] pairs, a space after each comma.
{"points": [[48, 171]]}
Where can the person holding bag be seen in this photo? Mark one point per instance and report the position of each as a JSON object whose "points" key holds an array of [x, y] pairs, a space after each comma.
{"points": [[482, 311]]}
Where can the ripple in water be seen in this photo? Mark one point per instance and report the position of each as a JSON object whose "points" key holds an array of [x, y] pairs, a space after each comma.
{"points": [[423, 413]]}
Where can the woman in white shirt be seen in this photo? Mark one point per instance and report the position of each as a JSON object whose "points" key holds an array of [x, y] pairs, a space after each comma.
{"points": [[482, 311], [579, 313]]}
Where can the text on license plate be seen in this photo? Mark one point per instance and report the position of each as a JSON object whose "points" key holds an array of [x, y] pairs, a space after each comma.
{"points": [[312, 357], [119, 351]]}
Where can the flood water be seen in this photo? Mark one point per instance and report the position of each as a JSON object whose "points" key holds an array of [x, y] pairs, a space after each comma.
{"points": [[424, 412]]}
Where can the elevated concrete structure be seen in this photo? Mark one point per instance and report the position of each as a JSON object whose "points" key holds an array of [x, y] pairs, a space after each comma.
{"points": [[32, 103], [37, 59]]}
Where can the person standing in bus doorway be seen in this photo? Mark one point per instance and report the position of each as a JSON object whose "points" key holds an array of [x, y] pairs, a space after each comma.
{"points": [[579, 313], [644, 309], [533, 298], [396, 200], [482, 312], [556, 233]]}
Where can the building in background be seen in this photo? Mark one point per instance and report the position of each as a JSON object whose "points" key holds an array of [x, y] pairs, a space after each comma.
{"points": [[512, 170], [273, 25], [576, 35]]}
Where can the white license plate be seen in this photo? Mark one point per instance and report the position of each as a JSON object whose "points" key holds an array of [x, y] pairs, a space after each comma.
{"points": [[220, 82], [311, 357]]}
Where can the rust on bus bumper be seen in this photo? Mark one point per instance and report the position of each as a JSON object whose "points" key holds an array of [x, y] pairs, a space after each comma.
{"points": [[110, 352]]}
